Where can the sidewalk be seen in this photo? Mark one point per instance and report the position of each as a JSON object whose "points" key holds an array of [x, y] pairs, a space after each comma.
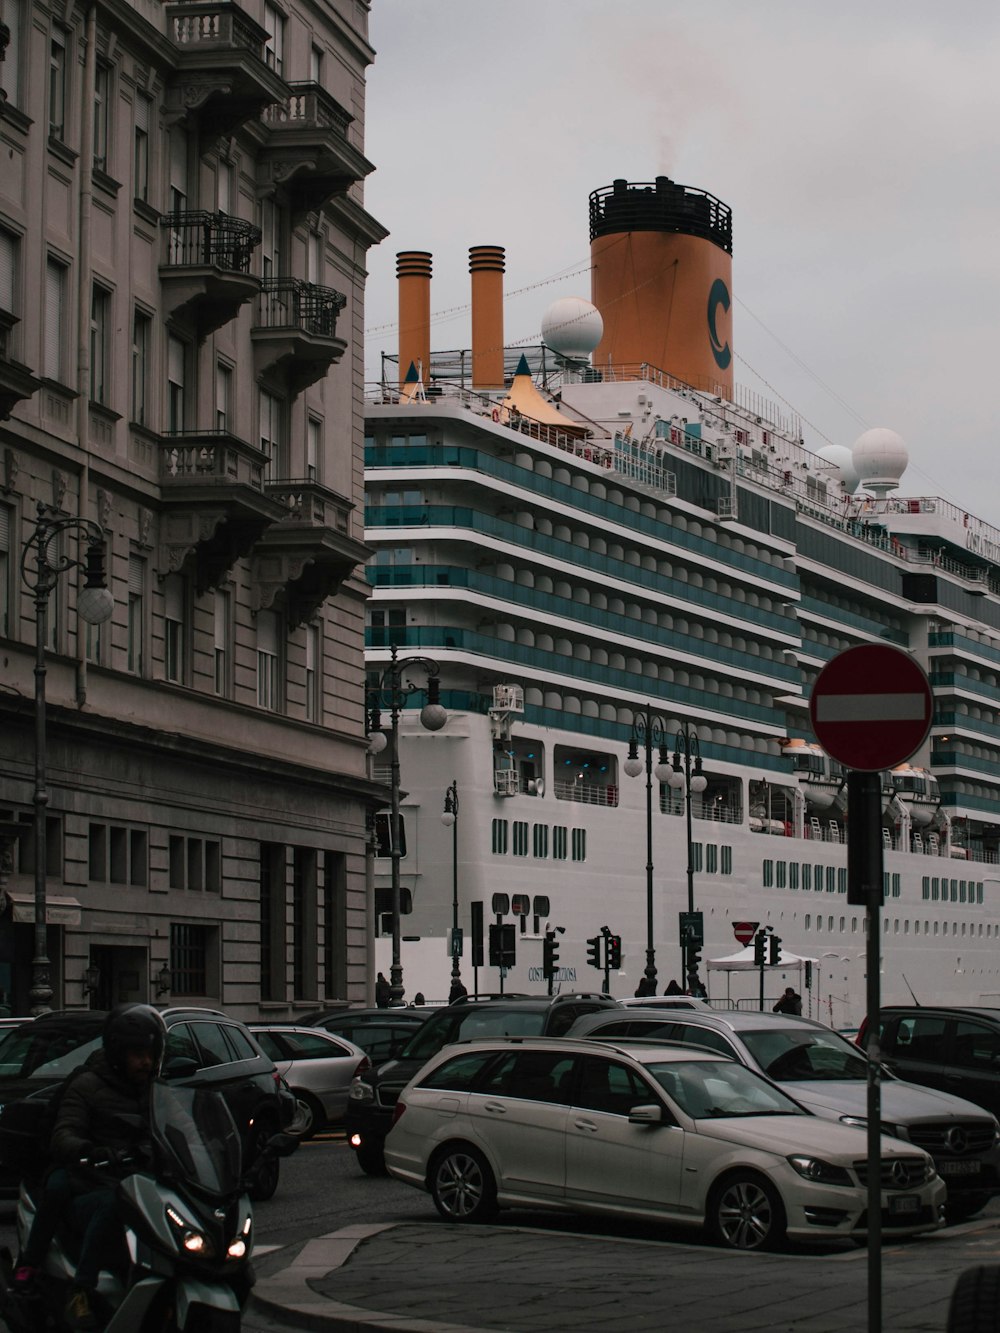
{"points": [[440, 1278]]}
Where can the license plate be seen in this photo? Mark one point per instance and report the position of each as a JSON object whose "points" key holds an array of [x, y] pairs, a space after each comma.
{"points": [[904, 1203], [959, 1168]]}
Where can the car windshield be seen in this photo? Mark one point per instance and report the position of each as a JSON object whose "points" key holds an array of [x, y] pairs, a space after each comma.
{"points": [[711, 1089], [47, 1050], [469, 1023], [805, 1055]]}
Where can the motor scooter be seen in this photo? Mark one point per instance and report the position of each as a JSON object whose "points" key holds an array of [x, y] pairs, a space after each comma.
{"points": [[187, 1225]]}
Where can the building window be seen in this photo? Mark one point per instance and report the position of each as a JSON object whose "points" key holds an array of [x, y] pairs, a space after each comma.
{"points": [[268, 660], [118, 855], [334, 924], [224, 186], [8, 280], [55, 321], [578, 844], [178, 169], [315, 64], [100, 324], [10, 67], [195, 864], [57, 86], [140, 147], [174, 622], [313, 429], [270, 242], [136, 614], [223, 396], [272, 435], [500, 837], [222, 639], [314, 257], [102, 118], [6, 570], [274, 48], [304, 923], [314, 672], [142, 334], [559, 842], [176, 384], [272, 921], [540, 840], [53, 847], [519, 844], [190, 947]]}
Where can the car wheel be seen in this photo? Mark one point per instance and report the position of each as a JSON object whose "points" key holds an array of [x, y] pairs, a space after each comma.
{"points": [[310, 1117], [371, 1159], [964, 1206], [264, 1170], [975, 1301], [462, 1185], [745, 1212]]}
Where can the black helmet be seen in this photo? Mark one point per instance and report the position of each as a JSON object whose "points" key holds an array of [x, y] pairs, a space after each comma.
{"points": [[133, 1027]]}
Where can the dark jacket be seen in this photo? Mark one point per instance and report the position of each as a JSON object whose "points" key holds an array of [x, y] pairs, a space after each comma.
{"points": [[88, 1107]]}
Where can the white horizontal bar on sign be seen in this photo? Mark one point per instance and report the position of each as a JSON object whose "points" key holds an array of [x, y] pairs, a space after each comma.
{"points": [[871, 708]]}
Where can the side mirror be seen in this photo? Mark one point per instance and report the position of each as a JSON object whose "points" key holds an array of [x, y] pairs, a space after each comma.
{"points": [[179, 1066], [646, 1115]]}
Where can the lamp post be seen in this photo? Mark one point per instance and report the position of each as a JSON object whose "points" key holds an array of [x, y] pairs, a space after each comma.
{"points": [[648, 730], [686, 754], [449, 817], [42, 565], [392, 692]]}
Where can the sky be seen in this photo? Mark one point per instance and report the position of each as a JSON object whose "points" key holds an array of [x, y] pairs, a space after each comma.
{"points": [[856, 142]]}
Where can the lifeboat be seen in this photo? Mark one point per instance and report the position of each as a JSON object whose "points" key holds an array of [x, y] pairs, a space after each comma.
{"points": [[917, 789], [817, 781]]}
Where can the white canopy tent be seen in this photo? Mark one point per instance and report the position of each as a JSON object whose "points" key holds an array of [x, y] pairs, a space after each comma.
{"points": [[743, 961]]}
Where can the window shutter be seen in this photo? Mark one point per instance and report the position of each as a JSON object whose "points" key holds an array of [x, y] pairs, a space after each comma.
{"points": [[136, 574], [8, 259], [54, 287]]}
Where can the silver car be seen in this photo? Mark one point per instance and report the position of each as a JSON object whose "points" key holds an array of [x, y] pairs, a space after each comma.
{"points": [[317, 1067], [829, 1075]]}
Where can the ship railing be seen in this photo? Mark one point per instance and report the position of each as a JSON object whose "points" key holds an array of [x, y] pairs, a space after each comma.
{"points": [[586, 793]]}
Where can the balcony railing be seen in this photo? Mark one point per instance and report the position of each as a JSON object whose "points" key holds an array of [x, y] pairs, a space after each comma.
{"points": [[210, 456], [308, 106], [214, 27], [198, 238], [291, 303]]}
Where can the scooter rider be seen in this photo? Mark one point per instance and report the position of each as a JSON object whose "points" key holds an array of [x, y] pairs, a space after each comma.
{"points": [[89, 1124]]}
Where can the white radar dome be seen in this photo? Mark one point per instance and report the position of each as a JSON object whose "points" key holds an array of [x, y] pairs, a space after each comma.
{"points": [[572, 327], [880, 459], [840, 465]]}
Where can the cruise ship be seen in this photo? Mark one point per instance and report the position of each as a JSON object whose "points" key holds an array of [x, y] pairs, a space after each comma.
{"points": [[620, 567]]}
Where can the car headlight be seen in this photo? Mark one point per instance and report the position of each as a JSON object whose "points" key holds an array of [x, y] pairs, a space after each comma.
{"points": [[814, 1168], [893, 1131], [361, 1091]]}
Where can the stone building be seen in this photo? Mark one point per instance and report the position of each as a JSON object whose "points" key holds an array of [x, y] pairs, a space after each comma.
{"points": [[183, 247]]}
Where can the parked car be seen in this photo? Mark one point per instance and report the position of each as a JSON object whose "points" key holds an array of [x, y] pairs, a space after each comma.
{"points": [[373, 1095], [828, 1074], [658, 1133], [318, 1068], [666, 1002], [381, 1033], [204, 1048], [954, 1049]]}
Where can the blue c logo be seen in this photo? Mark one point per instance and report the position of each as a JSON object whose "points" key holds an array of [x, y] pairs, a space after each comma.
{"points": [[718, 296]]}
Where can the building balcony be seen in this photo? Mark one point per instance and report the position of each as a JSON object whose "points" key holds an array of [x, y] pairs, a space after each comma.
{"points": [[214, 502], [307, 155], [295, 331], [206, 270], [222, 79], [16, 380], [303, 559]]}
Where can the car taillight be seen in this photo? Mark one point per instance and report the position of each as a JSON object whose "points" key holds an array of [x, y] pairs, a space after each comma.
{"points": [[398, 1111], [363, 1067]]}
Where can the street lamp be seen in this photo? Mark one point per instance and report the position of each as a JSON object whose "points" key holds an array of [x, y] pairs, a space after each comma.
{"points": [[449, 818], [648, 729], [686, 752], [42, 564], [392, 692]]}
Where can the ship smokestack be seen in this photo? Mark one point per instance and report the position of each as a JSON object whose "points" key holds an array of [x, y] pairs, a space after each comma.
{"points": [[661, 257], [486, 264], [413, 271]]}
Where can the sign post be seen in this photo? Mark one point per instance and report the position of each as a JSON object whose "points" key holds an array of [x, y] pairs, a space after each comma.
{"points": [[871, 708]]}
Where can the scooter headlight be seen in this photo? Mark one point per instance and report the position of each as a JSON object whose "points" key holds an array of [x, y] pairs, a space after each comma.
{"points": [[239, 1247], [192, 1241]]}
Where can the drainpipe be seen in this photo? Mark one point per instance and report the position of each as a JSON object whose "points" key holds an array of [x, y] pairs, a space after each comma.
{"points": [[84, 286]]}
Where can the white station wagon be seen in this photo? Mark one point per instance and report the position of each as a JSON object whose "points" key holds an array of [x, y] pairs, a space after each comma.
{"points": [[645, 1132]]}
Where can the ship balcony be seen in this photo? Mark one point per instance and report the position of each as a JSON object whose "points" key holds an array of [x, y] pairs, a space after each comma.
{"points": [[214, 501], [305, 556], [206, 270], [16, 381], [295, 331], [307, 154], [222, 79]]}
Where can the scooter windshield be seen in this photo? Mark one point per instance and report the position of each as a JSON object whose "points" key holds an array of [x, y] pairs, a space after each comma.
{"points": [[195, 1132]]}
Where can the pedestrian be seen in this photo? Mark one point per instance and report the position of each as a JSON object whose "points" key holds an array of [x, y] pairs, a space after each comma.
{"points": [[383, 991], [458, 991], [673, 988], [644, 988], [790, 1002], [419, 998]]}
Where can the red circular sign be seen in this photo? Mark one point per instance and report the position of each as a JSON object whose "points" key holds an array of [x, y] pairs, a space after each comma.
{"points": [[745, 930], [871, 707]]}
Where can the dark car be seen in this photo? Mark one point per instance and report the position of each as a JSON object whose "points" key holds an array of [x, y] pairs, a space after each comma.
{"points": [[373, 1094], [381, 1033], [204, 1049], [956, 1049]]}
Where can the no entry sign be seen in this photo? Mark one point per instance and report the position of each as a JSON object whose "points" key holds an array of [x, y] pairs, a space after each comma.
{"points": [[871, 707]]}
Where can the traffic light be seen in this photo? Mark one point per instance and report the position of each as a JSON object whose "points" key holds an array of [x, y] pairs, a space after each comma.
{"points": [[693, 960], [614, 951], [594, 952], [508, 946], [550, 956], [774, 950], [495, 945], [759, 949]]}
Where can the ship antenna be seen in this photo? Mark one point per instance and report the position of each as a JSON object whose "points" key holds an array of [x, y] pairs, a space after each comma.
{"points": [[910, 989]]}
